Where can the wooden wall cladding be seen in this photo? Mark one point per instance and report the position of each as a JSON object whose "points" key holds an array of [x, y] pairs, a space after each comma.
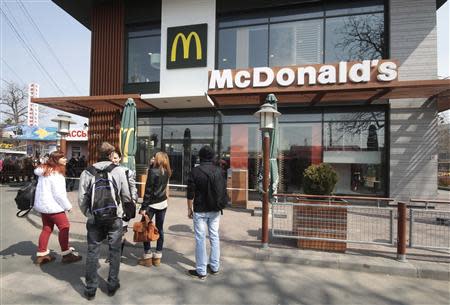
{"points": [[104, 126], [107, 43]]}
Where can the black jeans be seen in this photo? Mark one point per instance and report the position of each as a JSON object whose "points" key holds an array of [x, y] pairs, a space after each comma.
{"points": [[159, 222], [95, 235]]}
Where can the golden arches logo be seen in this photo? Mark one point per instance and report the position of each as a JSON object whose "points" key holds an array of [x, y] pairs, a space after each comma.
{"points": [[186, 41]]}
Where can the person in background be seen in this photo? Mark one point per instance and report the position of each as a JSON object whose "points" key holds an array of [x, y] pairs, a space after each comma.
{"points": [[51, 201], [115, 158], [71, 173], [44, 159], [155, 204]]}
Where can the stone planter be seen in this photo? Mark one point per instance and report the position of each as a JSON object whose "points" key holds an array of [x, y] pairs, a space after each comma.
{"points": [[320, 222]]}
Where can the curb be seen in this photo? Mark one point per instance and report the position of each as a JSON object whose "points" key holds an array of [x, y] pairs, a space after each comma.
{"points": [[391, 267]]}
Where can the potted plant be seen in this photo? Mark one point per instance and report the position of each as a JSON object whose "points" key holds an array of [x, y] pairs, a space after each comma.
{"points": [[322, 221], [319, 179]]}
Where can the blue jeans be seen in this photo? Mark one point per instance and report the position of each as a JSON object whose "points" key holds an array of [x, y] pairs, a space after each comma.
{"points": [[211, 221], [160, 215]]}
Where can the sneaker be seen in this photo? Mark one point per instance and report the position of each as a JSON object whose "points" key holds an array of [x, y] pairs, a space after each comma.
{"points": [[209, 269], [72, 257], [194, 273], [112, 292], [89, 295], [40, 260]]}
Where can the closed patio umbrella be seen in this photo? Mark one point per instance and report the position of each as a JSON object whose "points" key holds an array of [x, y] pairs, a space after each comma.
{"points": [[274, 177], [187, 142], [127, 140]]}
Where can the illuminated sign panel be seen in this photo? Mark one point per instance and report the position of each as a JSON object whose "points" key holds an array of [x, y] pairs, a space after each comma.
{"points": [[186, 46]]}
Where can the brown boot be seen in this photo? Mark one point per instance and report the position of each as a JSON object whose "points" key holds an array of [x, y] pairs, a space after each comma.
{"points": [[156, 260], [146, 260], [70, 256], [43, 258]]}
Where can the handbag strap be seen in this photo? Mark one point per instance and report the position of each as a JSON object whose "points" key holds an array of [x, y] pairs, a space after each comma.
{"points": [[146, 219], [23, 213]]}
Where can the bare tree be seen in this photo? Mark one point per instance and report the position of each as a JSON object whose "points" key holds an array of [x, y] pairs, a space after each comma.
{"points": [[14, 103], [362, 37]]}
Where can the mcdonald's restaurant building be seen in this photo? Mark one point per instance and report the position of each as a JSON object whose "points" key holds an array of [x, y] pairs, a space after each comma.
{"points": [[356, 83]]}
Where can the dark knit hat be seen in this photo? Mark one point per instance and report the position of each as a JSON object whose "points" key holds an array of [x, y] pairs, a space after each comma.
{"points": [[206, 153]]}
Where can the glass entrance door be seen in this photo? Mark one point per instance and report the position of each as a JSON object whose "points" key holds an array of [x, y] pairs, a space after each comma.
{"points": [[183, 156]]}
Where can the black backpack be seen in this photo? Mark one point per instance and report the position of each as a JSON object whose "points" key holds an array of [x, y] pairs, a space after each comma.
{"points": [[25, 198], [104, 195], [216, 194]]}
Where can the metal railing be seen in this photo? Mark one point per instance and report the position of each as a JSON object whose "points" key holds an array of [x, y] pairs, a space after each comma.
{"points": [[333, 219], [419, 223]]}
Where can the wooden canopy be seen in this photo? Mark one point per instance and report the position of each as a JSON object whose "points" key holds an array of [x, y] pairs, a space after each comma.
{"points": [[85, 105], [366, 93], [304, 95]]}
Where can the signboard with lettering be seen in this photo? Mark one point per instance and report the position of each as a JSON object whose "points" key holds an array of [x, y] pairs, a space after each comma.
{"points": [[297, 77], [77, 135]]}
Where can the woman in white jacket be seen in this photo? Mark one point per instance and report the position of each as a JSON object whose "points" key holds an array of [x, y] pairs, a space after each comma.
{"points": [[51, 201]]}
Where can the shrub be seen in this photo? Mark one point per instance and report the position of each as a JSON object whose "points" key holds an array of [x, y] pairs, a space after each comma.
{"points": [[319, 179]]}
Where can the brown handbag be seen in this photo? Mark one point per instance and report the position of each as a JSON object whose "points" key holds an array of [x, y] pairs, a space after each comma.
{"points": [[145, 230]]}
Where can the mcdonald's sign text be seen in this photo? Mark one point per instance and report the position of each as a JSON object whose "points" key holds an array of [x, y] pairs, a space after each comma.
{"points": [[186, 46]]}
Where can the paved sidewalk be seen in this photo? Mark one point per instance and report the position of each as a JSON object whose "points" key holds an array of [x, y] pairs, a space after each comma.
{"points": [[240, 238]]}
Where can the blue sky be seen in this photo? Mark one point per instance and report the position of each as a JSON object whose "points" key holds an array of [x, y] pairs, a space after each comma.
{"points": [[71, 42]]}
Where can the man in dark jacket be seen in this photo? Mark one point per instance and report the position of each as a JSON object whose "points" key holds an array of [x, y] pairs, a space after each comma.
{"points": [[206, 216], [70, 173]]}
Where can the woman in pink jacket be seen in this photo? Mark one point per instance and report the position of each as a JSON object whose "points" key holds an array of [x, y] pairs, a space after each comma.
{"points": [[52, 202]]}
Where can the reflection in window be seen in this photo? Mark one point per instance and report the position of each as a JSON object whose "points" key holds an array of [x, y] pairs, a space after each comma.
{"points": [[144, 56], [354, 38], [354, 30], [300, 146], [339, 7], [243, 47], [354, 144], [177, 132], [148, 143], [298, 42]]}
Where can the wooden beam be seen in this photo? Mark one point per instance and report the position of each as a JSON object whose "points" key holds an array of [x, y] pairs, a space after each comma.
{"points": [[114, 104], [148, 104], [81, 106], [317, 98], [378, 95]]}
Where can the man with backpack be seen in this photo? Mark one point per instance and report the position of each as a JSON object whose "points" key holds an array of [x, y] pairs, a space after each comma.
{"points": [[103, 191], [206, 198]]}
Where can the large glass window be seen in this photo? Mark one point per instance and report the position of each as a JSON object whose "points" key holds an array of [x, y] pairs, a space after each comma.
{"points": [[353, 142], [243, 47], [300, 146], [299, 42], [144, 54], [335, 31], [355, 37]]}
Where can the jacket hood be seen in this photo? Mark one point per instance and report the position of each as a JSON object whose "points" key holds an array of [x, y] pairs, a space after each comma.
{"points": [[102, 164], [39, 171]]}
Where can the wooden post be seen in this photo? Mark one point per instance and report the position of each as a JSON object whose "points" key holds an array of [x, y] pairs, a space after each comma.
{"points": [[401, 232]]}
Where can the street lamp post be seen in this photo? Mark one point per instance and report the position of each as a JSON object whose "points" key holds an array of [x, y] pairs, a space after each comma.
{"points": [[64, 122], [267, 115]]}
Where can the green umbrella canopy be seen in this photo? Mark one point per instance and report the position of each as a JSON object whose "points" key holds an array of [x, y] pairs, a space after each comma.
{"points": [[274, 177], [127, 139]]}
